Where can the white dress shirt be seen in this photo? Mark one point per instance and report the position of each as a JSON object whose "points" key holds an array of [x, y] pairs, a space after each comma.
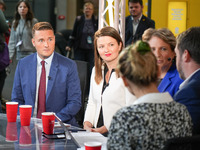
{"points": [[186, 80], [135, 24]]}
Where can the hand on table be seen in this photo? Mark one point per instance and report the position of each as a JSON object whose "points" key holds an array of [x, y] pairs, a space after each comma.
{"points": [[89, 127], [101, 130]]}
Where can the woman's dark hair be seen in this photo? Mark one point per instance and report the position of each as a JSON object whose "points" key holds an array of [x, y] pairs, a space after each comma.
{"points": [[29, 15]]}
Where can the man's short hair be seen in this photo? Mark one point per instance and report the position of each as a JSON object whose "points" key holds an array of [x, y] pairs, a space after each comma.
{"points": [[136, 1], [190, 40], [41, 26]]}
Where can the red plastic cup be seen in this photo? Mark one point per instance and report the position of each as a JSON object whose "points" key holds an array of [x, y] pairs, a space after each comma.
{"points": [[92, 145], [25, 136], [11, 132], [48, 120], [11, 111], [25, 114]]}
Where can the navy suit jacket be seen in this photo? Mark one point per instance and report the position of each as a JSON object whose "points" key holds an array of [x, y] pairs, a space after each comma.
{"points": [[144, 24], [171, 82], [63, 95], [189, 95]]}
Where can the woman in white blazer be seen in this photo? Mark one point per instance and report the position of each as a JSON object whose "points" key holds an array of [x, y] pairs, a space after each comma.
{"points": [[107, 90]]}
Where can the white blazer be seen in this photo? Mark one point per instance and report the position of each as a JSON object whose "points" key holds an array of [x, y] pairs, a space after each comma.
{"points": [[114, 97]]}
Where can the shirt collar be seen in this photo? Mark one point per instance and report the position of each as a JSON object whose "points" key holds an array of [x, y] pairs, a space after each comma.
{"points": [[154, 98], [48, 60], [138, 20], [187, 80]]}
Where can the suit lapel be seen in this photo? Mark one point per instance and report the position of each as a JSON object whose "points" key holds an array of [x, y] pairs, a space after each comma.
{"points": [[141, 25], [167, 79], [52, 74], [164, 83], [195, 76], [131, 25], [32, 73]]}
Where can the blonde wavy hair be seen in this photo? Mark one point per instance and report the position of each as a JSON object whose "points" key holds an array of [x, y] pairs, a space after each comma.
{"points": [[163, 33], [138, 64]]}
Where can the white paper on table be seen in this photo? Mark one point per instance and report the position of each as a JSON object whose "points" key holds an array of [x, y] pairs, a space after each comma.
{"points": [[84, 136]]}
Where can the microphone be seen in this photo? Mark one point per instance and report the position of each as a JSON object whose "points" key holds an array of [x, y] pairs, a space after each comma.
{"points": [[49, 78], [169, 59]]}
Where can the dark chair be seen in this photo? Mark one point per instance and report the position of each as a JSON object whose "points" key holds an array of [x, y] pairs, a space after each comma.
{"points": [[83, 72], [183, 143]]}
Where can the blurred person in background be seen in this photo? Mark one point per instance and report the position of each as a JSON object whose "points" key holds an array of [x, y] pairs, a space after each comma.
{"points": [[21, 36], [107, 91], [3, 24], [136, 23], [62, 41], [154, 117], [162, 42], [7, 33], [82, 35], [2, 5], [4, 28]]}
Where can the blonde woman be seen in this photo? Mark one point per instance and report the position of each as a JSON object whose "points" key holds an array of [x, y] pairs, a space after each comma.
{"points": [[162, 42]]}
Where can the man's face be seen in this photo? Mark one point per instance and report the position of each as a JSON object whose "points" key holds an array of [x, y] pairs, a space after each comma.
{"points": [[135, 9], [179, 64], [44, 42]]}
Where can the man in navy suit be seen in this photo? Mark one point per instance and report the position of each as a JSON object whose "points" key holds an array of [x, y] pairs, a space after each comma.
{"points": [[188, 65], [136, 23], [63, 94]]}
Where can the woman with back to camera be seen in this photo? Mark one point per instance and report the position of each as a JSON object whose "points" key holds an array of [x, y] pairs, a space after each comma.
{"points": [[21, 31], [107, 91], [154, 117], [162, 42]]}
